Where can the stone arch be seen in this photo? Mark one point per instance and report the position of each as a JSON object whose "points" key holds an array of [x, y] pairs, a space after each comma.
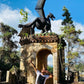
{"points": [[41, 61], [41, 58], [39, 52]]}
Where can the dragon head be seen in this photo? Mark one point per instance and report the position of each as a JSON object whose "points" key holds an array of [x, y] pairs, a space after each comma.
{"points": [[51, 16]]}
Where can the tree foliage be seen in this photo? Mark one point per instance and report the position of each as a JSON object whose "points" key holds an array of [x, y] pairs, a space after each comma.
{"points": [[71, 35], [9, 56], [50, 69], [79, 66], [24, 14]]}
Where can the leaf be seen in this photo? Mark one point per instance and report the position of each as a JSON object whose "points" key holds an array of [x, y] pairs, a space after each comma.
{"points": [[21, 12], [24, 14]]}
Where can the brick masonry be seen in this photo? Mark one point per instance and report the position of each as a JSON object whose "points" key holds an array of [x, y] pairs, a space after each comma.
{"points": [[38, 53]]}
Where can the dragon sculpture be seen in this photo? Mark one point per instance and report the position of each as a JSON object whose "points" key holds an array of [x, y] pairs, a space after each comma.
{"points": [[42, 23]]}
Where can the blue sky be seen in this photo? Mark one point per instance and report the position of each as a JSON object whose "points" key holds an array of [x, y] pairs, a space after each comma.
{"points": [[76, 7], [9, 13]]}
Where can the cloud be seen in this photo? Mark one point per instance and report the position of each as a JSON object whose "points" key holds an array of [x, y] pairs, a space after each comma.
{"points": [[56, 25], [81, 27], [11, 17]]}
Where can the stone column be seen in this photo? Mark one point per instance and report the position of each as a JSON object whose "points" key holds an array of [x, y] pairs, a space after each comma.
{"points": [[7, 76], [55, 66], [0, 75], [22, 66], [75, 77]]}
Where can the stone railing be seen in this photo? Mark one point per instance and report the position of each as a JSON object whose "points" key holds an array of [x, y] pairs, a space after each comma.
{"points": [[7, 78]]}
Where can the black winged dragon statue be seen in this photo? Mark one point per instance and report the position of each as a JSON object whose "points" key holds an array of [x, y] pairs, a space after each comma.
{"points": [[42, 23]]}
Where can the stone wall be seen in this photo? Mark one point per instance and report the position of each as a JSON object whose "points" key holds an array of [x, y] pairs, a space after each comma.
{"points": [[38, 53]]}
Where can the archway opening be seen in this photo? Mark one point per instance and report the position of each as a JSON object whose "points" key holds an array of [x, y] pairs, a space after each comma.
{"points": [[41, 59], [50, 63]]}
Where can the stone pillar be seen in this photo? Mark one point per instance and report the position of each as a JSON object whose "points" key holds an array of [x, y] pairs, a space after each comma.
{"points": [[22, 66], [7, 76], [0, 75], [31, 75], [55, 66], [75, 77]]}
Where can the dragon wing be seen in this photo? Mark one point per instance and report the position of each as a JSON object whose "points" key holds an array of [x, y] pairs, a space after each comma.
{"points": [[39, 8]]}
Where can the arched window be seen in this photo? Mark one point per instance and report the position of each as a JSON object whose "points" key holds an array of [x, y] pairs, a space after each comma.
{"points": [[50, 63]]}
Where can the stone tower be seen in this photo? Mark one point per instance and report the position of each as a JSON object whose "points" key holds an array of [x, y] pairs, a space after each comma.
{"points": [[37, 48]]}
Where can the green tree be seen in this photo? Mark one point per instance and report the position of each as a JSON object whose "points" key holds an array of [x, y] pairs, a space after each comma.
{"points": [[80, 66], [50, 69], [71, 36], [9, 56]]}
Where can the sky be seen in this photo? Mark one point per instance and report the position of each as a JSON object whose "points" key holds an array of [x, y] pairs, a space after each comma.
{"points": [[9, 12], [75, 7]]}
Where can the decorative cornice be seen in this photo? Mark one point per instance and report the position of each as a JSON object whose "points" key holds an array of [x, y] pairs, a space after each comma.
{"points": [[40, 38]]}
